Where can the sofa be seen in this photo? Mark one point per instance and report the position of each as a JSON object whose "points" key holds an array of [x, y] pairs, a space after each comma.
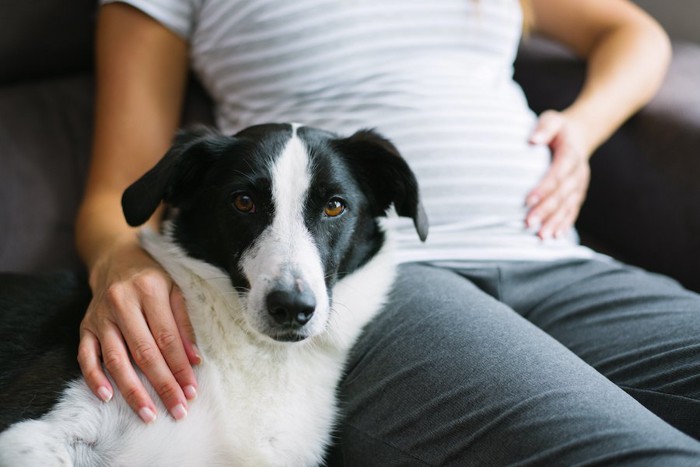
{"points": [[643, 205]]}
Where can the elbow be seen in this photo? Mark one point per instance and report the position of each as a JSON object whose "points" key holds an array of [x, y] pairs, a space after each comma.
{"points": [[657, 43], [658, 52], [660, 43]]}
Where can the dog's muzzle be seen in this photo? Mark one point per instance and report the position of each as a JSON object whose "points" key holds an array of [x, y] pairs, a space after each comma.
{"points": [[289, 311]]}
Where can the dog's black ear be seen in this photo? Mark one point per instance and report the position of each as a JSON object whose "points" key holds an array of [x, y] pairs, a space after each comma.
{"points": [[176, 174], [381, 169]]}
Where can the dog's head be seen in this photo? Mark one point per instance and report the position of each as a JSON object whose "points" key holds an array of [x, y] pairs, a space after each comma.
{"points": [[285, 211]]}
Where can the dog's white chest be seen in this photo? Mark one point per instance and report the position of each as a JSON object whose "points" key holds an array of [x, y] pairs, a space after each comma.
{"points": [[269, 411], [268, 420]]}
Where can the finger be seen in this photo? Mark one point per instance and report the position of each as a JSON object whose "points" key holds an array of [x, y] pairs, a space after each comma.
{"points": [[543, 190], [551, 223], [182, 320], [548, 125], [161, 322], [151, 362], [549, 212], [138, 336], [540, 217], [116, 361], [91, 366], [567, 223], [572, 212], [548, 184], [573, 193], [560, 170], [568, 198], [543, 200]]}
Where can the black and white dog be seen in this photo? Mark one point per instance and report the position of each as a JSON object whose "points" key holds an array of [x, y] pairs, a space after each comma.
{"points": [[275, 241]]}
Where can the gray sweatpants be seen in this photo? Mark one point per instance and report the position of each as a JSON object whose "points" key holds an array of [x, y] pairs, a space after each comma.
{"points": [[566, 363]]}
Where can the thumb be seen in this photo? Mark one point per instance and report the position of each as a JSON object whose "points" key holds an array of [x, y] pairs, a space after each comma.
{"points": [[548, 125], [184, 325]]}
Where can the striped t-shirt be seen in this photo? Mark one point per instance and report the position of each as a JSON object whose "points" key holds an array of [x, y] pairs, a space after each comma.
{"points": [[435, 77]]}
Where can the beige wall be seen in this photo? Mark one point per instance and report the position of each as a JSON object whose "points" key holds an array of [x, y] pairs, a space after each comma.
{"points": [[681, 18]]}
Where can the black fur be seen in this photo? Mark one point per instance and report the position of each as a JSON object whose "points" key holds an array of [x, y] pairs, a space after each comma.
{"points": [[386, 175], [39, 324], [204, 170]]}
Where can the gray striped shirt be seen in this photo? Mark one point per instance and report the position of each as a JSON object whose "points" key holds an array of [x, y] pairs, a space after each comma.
{"points": [[435, 77]]}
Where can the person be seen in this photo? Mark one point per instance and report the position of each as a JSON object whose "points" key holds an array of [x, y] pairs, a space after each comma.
{"points": [[504, 340]]}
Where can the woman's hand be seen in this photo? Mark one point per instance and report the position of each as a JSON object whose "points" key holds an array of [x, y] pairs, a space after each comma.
{"points": [[555, 202], [137, 310]]}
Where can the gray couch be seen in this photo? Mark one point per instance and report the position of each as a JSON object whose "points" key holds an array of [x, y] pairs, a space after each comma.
{"points": [[643, 205]]}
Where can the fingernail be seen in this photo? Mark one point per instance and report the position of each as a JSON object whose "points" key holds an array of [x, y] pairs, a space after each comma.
{"points": [[197, 355], [147, 415], [190, 392], [104, 394], [178, 412], [545, 234], [534, 221]]}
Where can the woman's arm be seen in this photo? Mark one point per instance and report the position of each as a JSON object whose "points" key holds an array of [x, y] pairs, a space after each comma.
{"points": [[627, 54], [141, 74]]}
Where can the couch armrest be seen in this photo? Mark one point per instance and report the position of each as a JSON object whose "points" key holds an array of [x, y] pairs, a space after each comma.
{"points": [[643, 205]]}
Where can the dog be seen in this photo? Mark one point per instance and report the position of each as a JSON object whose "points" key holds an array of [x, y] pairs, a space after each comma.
{"points": [[275, 237]]}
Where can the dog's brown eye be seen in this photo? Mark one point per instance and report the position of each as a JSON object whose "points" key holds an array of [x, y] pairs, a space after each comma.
{"points": [[244, 203], [334, 207]]}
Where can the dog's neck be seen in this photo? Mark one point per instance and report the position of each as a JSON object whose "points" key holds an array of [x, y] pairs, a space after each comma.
{"points": [[211, 300]]}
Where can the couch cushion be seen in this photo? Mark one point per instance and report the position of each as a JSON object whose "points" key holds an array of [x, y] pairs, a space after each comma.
{"points": [[45, 138], [45, 132]]}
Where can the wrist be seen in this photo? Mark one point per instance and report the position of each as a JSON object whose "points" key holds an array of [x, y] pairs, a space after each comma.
{"points": [[588, 126], [102, 233], [118, 246]]}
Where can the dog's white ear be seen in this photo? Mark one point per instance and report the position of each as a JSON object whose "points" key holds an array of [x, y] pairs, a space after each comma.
{"points": [[176, 172], [386, 175]]}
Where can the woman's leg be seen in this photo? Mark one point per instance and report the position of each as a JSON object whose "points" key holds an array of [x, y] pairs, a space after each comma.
{"points": [[448, 375], [640, 330]]}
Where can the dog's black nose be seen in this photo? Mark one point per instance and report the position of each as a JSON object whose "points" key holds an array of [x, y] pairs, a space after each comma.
{"points": [[291, 307]]}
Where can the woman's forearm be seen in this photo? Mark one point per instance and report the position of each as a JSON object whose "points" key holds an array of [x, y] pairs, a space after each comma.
{"points": [[141, 72], [98, 226], [627, 54], [625, 69]]}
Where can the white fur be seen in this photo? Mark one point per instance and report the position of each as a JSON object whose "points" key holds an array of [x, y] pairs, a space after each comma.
{"points": [[261, 402], [285, 251]]}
